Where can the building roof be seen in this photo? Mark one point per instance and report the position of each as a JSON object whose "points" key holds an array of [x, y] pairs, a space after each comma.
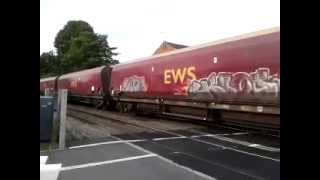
{"points": [[168, 46], [177, 46]]}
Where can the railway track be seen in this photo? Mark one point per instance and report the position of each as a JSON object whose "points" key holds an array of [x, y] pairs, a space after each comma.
{"points": [[230, 123], [113, 119], [171, 145], [126, 119], [127, 125]]}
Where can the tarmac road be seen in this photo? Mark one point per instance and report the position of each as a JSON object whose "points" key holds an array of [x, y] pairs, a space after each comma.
{"points": [[125, 152]]}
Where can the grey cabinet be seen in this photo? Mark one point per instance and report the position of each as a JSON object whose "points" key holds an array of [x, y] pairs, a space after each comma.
{"points": [[46, 117]]}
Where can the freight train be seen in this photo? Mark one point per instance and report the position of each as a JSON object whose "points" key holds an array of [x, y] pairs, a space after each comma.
{"points": [[236, 80]]}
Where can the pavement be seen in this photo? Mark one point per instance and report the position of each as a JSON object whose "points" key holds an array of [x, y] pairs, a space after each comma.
{"points": [[164, 158], [116, 160], [103, 149]]}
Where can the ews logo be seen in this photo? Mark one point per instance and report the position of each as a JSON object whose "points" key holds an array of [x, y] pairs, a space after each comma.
{"points": [[179, 75]]}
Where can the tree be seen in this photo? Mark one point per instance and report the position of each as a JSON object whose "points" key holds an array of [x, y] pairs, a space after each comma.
{"points": [[71, 30], [48, 64], [78, 48]]}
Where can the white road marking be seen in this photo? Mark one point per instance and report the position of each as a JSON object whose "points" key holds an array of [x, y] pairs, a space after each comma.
{"points": [[229, 134], [43, 159], [244, 152], [245, 143], [224, 134], [169, 161], [107, 162], [230, 140], [105, 143], [240, 133], [49, 171], [197, 136], [213, 144], [272, 149], [224, 166], [168, 138]]}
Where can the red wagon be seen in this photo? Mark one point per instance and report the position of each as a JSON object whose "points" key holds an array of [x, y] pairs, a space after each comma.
{"points": [[243, 70], [48, 85], [88, 85]]}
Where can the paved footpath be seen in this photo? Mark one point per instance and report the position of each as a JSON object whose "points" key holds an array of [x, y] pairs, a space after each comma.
{"points": [[116, 160]]}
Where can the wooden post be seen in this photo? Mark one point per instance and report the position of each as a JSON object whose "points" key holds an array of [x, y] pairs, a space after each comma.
{"points": [[62, 99]]}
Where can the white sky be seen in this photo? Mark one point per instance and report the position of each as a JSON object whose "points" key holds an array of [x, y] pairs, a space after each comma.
{"points": [[138, 27]]}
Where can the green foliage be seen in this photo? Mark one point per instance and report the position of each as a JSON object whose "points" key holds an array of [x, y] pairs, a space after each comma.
{"points": [[88, 50], [47, 64], [78, 47], [71, 30]]}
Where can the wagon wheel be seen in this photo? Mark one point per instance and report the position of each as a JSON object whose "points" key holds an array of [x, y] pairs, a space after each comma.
{"points": [[119, 107], [124, 107], [98, 104], [128, 107]]}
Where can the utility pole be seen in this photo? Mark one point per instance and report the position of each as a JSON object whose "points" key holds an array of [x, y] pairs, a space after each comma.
{"points": [[62, 100]]}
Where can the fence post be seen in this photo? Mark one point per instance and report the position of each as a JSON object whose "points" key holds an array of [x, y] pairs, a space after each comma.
{"points": [[46, 92], [62, 99], [56, 116]]}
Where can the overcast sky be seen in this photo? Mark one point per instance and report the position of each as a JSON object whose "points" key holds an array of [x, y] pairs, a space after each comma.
{"points": [[138, 27]]}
